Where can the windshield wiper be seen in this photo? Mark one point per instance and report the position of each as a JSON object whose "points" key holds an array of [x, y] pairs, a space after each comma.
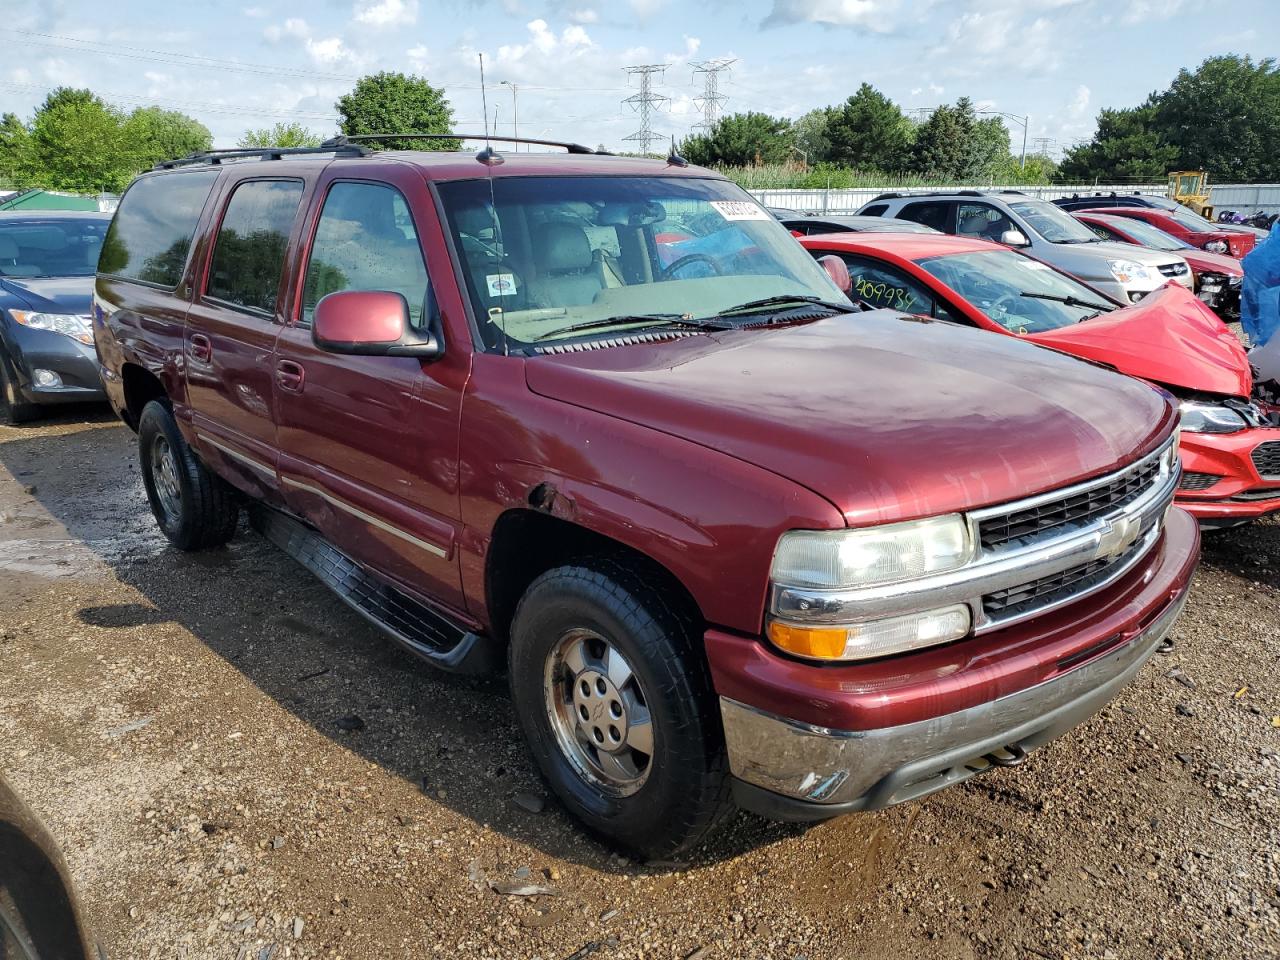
{"points": [[1069, 301], [787, 298], [653, 319]]}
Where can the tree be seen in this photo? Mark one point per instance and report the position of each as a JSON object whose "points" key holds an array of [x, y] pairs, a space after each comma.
{"points": [[1127, 146], [77, 143], [14, 144], [741, 140], [810, 134], [869, 132], [281, 135], [388, 102], [988, 146], [1224, 117], [154, 134]]}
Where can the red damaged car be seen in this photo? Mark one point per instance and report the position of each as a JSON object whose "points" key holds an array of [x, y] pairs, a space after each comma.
{"points": [[1186, 226], [1230, 444], [1218, 277]]}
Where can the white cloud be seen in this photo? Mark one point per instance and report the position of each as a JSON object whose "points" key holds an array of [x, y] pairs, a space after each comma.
{"points": [[386, 13], [586, 15], [1079, 105], [255, 13], [867, 14], [1146, 11], [544, 43], [324, 51], [644, 9]]}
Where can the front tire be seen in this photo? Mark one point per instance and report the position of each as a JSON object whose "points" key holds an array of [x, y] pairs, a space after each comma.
{"points": [[194, 508], [13, 408], [615, 699]]}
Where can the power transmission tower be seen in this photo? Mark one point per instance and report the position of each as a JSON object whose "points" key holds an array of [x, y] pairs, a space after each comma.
{"points": [[711, 97], [1042, 145], [645, 101]]}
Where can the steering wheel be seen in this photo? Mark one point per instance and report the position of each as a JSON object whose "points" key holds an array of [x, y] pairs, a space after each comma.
{"points": [[1002, 303], [689, 258]]}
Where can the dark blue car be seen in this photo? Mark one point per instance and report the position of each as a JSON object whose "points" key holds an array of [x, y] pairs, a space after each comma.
{"points": [[47, 263]]}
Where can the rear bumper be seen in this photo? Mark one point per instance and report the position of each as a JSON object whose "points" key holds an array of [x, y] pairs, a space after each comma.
{"points": [[804, 769], [1240, 493]]}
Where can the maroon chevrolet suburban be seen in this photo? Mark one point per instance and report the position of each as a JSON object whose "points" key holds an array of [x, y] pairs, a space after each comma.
{"points": [[603, 423]]}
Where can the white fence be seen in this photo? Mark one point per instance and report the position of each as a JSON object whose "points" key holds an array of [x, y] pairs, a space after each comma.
{"points": [[1243, 198]]}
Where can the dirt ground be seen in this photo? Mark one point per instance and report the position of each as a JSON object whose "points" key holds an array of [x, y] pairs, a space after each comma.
{"points": [[178, 721]]}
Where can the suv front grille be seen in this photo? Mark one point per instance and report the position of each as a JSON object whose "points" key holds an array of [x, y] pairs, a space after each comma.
{"points": [[1266, 457], [1198, 481], [1173, 269], [1047, 591], [1002, 529]]}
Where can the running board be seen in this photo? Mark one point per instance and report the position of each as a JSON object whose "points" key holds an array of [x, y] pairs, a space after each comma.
{"points": [[422, 631]]}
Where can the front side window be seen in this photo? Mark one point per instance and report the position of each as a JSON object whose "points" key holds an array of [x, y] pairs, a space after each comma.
{"points": [[880, 285], [1021, 294], [366, 240], [1052, 222], [551, 257], [51, 247], [1191, 222], [981, 221], [248, 256], [150, 236], [1103, 233]]}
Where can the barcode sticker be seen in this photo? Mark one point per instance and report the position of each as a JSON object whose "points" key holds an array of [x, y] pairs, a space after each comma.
{"points": [[740, 210]]}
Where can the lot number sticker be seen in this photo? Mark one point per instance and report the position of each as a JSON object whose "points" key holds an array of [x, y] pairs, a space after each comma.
{"points": [[740, 210], [501, 284]]}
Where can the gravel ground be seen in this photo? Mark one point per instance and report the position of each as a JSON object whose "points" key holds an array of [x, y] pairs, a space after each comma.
{"points": [[238, 767]]}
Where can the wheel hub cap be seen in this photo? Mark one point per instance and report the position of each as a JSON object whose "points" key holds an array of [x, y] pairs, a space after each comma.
{"points": [[599, 713], [164, 472]]}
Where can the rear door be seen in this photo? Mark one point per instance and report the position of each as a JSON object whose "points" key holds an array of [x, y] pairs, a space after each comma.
{"points": [[232, 328], [939, 214], [369, 445]]}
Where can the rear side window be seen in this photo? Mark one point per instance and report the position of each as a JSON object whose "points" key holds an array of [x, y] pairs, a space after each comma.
{"points": [[249, 254], [930, 214], [151, 233], [366, 240], [875, 210]]}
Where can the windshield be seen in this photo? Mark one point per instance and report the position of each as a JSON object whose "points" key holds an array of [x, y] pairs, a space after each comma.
{"points": [[62, 247], [1149, 236], [1020, 294], [1052, 222], [1193, 222], [564, 252]]}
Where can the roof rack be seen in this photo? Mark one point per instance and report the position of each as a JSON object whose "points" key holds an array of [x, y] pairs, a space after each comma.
{"points": [[261, 153], [343, 141]]}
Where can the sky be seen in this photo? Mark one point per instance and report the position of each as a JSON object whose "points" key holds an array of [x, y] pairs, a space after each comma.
{"points": [[248, 64]]}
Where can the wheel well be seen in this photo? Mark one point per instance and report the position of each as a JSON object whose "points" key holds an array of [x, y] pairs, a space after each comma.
{"points": [[527, 543], [141, 386]]}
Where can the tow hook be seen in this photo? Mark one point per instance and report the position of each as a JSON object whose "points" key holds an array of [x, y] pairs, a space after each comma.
{"points": [[1016, 756]]}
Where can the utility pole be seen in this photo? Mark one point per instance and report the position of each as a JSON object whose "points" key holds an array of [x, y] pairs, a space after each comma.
{"points": [[711, 96], [1025, 121], [515, 113], [645, 101]]}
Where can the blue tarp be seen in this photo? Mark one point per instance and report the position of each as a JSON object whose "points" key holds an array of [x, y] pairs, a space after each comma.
{"points": [[1260, 295]]}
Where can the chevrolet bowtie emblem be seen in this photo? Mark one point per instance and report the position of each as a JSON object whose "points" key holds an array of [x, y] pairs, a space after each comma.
{"points": [[1118, 535]]}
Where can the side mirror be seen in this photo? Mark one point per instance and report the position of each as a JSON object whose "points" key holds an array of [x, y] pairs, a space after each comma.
{"points": [[838, 271], [1014, 238], [372, 323]]}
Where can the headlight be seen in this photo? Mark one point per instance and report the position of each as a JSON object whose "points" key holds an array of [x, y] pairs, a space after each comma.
{"points": [[872, 638], [1210, 418], [1216, 246], [863, 557], [67, 324], [1127, 271]]}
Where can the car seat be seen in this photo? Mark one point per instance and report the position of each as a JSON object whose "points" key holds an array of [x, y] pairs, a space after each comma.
{"points": [[9, 265], [568, 272]]}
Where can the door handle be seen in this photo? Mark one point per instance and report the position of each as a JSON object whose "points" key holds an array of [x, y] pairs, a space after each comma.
{"points": [[290, 375], [201, 348]]}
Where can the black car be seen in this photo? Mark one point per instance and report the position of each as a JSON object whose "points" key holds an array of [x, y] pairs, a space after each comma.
{"points": [[807, 226], [47, 264], [1100, 201]]}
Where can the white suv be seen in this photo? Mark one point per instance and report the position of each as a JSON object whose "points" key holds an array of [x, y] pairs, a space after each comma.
{"points": [[1124, 272]]}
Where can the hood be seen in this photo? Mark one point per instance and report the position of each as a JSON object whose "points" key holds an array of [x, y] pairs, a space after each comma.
{"points": [[1088, 261], [1169, 337], [1143, 255], [889, 417], [1202, 261], [51, 294]]}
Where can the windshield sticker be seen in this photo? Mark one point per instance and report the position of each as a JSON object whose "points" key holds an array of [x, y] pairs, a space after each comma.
{"points": [[501, 284], [881, 294], [740, 210], [1035, 265]]}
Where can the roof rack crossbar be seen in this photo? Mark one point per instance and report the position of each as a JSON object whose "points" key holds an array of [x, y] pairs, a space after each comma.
{"points": [[261, 153], [341, 141]]}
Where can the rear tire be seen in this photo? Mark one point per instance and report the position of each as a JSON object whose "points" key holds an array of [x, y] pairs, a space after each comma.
{"points": [[13, 408], [194, 508], [615, 699]]}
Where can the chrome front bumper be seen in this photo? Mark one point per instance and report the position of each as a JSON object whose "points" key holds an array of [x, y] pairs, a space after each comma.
{"points": [[813, 772]]}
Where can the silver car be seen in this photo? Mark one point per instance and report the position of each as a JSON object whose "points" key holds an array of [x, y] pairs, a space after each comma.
{"points": [[1046, 232]]}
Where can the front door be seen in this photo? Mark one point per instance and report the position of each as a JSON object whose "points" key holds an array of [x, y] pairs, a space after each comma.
{"points": [[231, 332], [368, 445]]}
